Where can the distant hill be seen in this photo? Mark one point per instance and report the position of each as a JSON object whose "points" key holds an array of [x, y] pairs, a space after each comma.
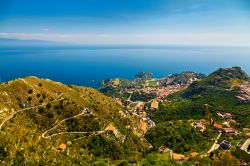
{"points": [[220, 91], [5, 42], [221, 79]]}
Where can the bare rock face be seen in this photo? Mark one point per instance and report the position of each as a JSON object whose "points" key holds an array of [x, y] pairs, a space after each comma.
{"points": [[244, 93]]}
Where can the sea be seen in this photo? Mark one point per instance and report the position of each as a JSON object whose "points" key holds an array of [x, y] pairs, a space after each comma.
{"points": [[88, 65]]}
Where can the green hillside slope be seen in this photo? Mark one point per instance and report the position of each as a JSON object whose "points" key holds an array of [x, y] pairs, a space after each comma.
{"points": [[39, 117], [216, 93]]}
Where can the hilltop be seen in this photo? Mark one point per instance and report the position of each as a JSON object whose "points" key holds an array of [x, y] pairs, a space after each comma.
{"points": [[220, 91], [55, 123]]}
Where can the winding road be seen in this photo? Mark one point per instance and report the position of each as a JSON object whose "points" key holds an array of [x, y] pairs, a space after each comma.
{"points": [[25, 109], [80, 114]]}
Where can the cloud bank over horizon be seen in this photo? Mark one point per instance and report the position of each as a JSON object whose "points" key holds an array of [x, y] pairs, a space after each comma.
{"points": [[142, 22]]}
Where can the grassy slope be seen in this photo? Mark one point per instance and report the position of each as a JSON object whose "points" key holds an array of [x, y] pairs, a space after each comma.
{"points": [[21, 140]]}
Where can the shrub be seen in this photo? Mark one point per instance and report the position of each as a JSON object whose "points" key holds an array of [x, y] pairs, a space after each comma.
{"points": [[29, 98], [50, 115], [30, 91], [41, 110], [69, 143], [38, 95], [49, 105]]}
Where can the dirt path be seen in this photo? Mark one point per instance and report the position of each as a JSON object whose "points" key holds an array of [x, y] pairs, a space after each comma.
{"points": [[43, 135], [25, 109], [74, 132]]}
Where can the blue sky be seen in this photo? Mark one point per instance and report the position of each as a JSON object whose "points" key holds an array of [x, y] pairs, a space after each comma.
{"points": [[133, 22]]}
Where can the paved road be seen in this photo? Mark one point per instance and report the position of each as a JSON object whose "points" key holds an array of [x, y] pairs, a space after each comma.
{"points": [[215, 145], [245, 145], [25, 109]]}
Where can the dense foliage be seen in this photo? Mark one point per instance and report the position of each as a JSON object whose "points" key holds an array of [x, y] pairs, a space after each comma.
{"points": [[181, 137]]}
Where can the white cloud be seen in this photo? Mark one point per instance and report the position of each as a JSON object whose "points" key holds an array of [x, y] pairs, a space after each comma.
{"points": [[166, 38]]}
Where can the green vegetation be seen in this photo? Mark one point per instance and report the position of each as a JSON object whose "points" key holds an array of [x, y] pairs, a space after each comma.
{"points": [[242, 155], [47, 123], [206, 97], [140, 96], [21, 136], [181, 137]]}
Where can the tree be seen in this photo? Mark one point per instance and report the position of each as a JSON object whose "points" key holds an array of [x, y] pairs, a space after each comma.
{"points": [[226, 159], [30, 91]]}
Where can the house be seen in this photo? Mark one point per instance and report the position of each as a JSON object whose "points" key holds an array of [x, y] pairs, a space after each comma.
{"points": [[178, 157], [143, 127], [89, 111], [155, 104], [246, 129], [228, 130], [225, 145], [247, 135], [217, 126], [194, 154], [228, 116], [226, 124], [232, 121], [62, 147], [140, 106], [111, 130], [162, 149], [199, 126], [220, 115]]}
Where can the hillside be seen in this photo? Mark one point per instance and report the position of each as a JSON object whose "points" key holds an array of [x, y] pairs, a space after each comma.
{"points": [[202, 118], [43, 121], [225, 90]]}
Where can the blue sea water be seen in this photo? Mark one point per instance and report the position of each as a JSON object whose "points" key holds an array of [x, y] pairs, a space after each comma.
{"points": [[88, 65]]}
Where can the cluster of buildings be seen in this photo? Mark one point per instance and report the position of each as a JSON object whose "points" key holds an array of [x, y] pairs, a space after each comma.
{"points": [[139, 111], [244, 94], [162, 91], [176, 156], [225, 127], [199, 126], [171, 154]]}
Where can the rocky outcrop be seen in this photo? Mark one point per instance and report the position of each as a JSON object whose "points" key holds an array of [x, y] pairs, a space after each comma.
{"points": [[244, 92]]}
